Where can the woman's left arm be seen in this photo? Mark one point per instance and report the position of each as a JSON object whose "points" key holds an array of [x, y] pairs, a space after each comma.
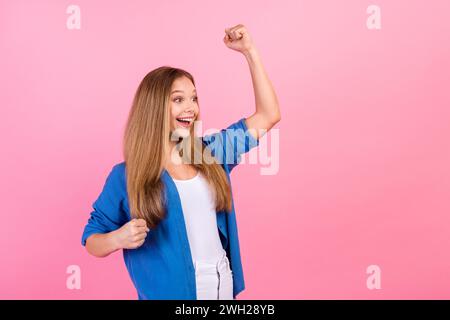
{"points": [[267, 112]]}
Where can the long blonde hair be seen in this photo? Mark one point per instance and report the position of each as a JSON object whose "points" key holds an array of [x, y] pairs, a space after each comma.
{"points": [[146, 140]]}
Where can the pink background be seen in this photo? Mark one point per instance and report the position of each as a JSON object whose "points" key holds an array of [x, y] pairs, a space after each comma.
{"points": [[364, 139]]}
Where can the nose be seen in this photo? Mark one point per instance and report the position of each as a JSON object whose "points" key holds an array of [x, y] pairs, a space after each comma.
{"points": [[190, 109]]}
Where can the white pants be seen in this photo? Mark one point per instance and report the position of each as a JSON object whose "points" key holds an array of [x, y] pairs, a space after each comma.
{"points": [[214, 281]]}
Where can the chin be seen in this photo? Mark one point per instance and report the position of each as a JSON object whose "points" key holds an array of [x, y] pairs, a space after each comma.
{"points": [[180, 132]]}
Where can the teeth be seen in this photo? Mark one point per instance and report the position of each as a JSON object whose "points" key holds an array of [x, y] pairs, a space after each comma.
{"points": [[185, 119]]}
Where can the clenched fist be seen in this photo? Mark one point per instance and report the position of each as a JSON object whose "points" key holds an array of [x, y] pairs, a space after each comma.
{"points": [[132, 234], [238, 38]]}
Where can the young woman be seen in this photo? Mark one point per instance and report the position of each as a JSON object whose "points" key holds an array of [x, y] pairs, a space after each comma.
{"points": [[173, 215]]}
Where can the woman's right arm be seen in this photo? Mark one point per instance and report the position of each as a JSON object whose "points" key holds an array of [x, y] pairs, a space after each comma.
{"points": [[109, 229], [130, 236], [102, 244]]}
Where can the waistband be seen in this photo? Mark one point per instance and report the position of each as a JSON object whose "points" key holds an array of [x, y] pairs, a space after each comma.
{"points": [[204, 267]]}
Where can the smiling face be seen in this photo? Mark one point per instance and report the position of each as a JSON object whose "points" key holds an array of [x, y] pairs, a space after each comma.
{"points": [[183, 106]]}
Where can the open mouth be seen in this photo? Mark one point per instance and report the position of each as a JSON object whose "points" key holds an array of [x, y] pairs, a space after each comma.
{"points": [[185, 122]]}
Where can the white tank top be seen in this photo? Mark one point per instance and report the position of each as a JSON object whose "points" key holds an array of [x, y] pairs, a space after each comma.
{"points": [[199, 210]]}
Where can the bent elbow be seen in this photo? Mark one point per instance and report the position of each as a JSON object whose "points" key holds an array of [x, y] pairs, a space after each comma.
{"points": [[278, 118], [275, 118]]}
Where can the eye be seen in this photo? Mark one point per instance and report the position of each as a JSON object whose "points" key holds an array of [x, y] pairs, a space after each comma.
{"points": [[176, 99], [195, 98]]}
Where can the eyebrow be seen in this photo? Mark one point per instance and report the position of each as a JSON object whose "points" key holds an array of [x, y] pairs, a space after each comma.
{"points": [[182, 91]]}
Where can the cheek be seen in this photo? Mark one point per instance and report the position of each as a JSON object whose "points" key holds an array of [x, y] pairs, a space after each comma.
{"points": [[174, 111]]}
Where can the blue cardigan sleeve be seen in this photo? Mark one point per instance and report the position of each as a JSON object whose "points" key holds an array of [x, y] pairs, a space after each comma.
{"points": [[229, 144], [108, 213]]}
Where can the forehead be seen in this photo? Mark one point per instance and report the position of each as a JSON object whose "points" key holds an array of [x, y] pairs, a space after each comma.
{"points": [[183, 85]]}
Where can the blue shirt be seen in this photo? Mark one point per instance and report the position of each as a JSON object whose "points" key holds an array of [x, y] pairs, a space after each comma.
{"points": [[162, 268]]}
